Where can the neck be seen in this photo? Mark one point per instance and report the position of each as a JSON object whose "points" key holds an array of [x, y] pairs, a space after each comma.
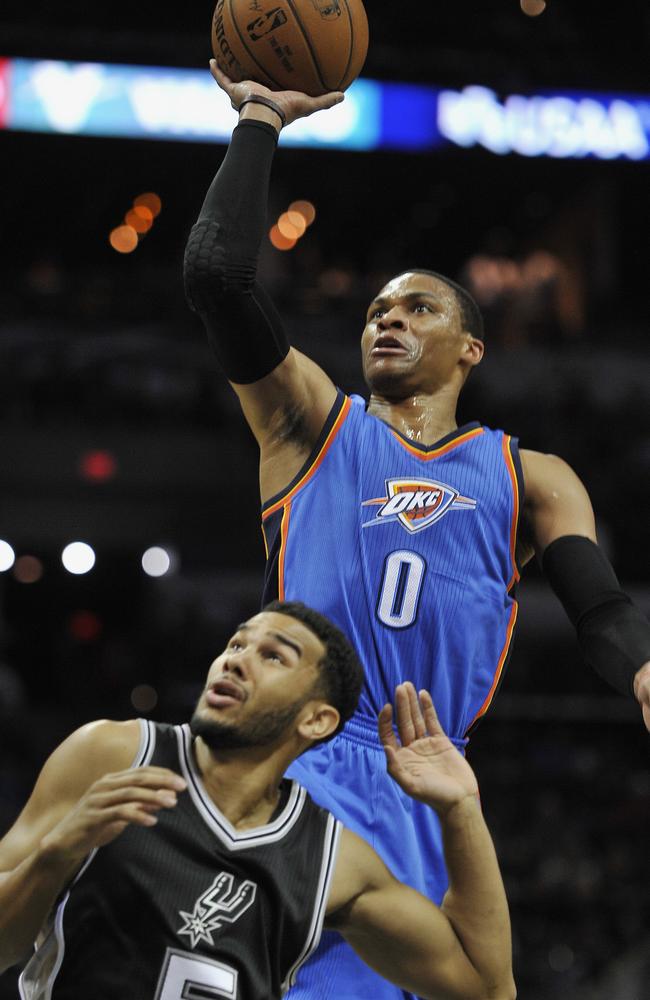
{"points": [[243, 784], [423, 417]]}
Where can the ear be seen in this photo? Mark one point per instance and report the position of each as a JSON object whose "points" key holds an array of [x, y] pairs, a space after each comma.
{"points": [[317, 721], [473, 351]]}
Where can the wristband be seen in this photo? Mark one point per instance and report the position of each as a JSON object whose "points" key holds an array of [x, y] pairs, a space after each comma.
{"points": [[259, 99]]}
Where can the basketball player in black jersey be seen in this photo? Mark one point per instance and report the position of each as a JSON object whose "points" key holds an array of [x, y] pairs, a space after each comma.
{"points": [[156, 861]]}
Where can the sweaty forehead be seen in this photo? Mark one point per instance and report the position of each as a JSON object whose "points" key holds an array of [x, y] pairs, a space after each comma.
{"points": [[412, 282], [272, 623]]}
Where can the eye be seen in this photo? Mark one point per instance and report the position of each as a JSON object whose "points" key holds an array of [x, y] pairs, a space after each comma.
{"points": [[421, 307], [376, 313], [235, 644], [272, 654]]}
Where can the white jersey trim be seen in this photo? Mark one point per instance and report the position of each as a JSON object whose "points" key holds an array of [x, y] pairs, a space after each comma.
{"points": [[331, 843], [233, 839], [36, 982]]}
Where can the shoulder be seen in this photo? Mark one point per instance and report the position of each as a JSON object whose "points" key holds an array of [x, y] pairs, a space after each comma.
{"points": [[92, 751], [544, 473]]}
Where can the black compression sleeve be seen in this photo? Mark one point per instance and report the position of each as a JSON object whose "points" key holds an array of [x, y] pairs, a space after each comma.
{"points": [[614, 635], [220, 264]]}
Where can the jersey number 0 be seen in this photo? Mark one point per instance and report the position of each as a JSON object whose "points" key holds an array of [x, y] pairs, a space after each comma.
{"points": [[401, 586]]}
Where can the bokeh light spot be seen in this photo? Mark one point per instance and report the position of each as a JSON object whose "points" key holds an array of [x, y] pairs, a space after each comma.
{"points": [[533, 8], [156, 561], [98, 466], [279, 241], [144, 698], [151, 201], [28, 569], [304, 208], [139, 218], [78, 558], [7, 556], [124, 239], [85, 626]]}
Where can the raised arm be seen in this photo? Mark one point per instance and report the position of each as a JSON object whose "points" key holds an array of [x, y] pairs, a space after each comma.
{"points": [[614, 635], [285, 396], [85, 796], [462, 950]]}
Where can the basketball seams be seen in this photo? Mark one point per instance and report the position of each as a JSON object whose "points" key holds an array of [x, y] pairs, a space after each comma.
{"points": [[351, 21], [248, 51], [308, 44]]}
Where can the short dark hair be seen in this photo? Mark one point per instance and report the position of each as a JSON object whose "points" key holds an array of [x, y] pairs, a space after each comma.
{"points": [[469, 311], [340, 667]]}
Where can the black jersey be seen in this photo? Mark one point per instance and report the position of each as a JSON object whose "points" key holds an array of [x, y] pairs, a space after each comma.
{"points": [[190, 908]]}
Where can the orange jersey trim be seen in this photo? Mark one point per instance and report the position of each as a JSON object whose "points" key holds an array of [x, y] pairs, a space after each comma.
{"points": [[336, 426], [437, 452], [284, 534], [502, 659], [510, 466]]}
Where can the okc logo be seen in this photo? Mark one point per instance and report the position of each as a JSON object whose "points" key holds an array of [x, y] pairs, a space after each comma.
{"points": [[416, 504], [221, 904]]}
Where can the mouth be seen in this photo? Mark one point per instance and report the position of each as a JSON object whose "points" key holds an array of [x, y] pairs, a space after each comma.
{"points": [[385, 346], [223, 693]]}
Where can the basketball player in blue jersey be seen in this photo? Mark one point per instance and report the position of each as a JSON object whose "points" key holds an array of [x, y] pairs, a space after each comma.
{"points": [[156, 862], [408, 531]]}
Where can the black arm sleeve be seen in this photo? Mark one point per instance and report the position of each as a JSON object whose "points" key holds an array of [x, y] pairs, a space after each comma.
{"points": [[614, 635], [220, 264]]}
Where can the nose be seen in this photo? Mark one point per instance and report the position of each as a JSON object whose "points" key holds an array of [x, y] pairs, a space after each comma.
{"points": [[393, 318], [236, 663]]}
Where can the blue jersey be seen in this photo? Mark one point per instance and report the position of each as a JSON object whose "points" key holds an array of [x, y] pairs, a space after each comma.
{"points": [[410, 550]]}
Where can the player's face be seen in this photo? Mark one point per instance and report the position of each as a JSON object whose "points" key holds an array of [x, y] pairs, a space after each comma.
{"points": [[259, 685], [413, 340]]}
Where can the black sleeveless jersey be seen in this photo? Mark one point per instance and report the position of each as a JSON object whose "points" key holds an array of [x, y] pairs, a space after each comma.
{"points": [[190, 908]]}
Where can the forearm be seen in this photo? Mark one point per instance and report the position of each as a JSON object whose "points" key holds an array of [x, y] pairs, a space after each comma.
{"points": [[220, 264], [614, 635], [27, 895], [475, 903]]}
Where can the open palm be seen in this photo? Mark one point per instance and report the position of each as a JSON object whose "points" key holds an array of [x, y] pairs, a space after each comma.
{"points": [[424, 762]]}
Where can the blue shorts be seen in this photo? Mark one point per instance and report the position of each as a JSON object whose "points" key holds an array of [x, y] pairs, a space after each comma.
{"points": [[348, 776]]}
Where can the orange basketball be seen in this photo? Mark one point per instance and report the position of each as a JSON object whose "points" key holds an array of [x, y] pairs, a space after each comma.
{"points": [[313, 46]]}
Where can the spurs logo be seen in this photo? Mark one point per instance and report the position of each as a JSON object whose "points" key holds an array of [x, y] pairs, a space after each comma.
{"points": [[266, 23], [416, 504], [222, 903]]}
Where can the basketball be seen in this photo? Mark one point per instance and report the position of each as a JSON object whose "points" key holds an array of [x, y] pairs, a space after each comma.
{"points": [[313, 46]]}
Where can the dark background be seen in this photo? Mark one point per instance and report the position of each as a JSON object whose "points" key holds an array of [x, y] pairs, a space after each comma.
{"points": [[99, 351]]}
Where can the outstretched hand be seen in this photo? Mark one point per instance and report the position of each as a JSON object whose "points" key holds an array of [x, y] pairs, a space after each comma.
{"points": [[424, 762], [293, 103]]}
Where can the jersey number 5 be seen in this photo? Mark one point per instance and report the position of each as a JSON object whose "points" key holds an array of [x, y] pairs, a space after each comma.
{"points": [[185, 976], [401, 586]]}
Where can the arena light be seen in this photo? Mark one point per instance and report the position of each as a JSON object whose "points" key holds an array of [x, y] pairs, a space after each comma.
{"points": [[78, 558], [157, 561], [144, 698], [304, 208], [7, 556], [279, 241], [149, 200], [97, 466], [124, 239], [28, 569], [533, 8], [139, 218], [288, 229]]}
